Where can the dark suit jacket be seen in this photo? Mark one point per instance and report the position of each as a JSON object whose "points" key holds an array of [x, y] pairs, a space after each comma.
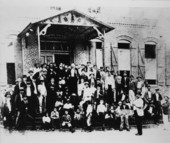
{"points": [[154, 97], [146, 98], [98, 76], [126, 107], [125, 82]]}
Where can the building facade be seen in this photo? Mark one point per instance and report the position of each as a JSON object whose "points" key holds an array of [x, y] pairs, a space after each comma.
{"points": [[124, 45]]}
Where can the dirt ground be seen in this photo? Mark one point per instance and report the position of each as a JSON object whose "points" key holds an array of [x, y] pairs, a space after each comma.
{"points": [[155, 134]]}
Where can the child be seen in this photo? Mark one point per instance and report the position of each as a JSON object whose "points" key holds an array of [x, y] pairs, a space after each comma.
{"points": [[101, 111], [55, 118], [46, 121], [66, 121]]}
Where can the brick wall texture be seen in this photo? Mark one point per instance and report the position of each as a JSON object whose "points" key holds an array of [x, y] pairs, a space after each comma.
{"points": [[30, 52]]}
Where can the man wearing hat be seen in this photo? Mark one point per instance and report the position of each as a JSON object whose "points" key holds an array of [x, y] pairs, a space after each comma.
{"points": [[17, 86], [157, 97], [20, 107], [139, 113]]}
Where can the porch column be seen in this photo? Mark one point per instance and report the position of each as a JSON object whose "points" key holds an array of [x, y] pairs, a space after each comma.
{"points": [[103, 49], [38, 36]]}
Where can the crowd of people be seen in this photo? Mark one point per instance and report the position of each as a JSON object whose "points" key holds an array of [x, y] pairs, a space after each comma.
{"points": [[80, 96]]}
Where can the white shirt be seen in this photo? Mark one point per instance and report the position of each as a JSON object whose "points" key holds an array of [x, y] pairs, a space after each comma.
{"points": [[93, 89], [42, 89], [101, 108], [72, 72], [131, 96], [68, 106], [157, 97], [103, 74], [149, 94], [28, 90], [81, 87], [139, 84], [46, 119], [8, 104], [139, 106], [109, 80], [87, 94], [119, 78], [89, 110]]}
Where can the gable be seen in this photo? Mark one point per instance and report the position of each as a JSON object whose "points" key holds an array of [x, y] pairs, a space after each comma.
{"points": [[73, 23], [69, 18]]}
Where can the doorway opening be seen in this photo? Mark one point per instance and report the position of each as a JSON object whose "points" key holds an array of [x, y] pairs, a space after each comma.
{"points": [[62, 58]]}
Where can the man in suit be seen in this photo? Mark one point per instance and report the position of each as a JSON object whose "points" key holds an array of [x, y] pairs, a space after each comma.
{"points": [[21, 102], [73, 78], [118, 81], [157, 97], [125, 83], [110, 88]]}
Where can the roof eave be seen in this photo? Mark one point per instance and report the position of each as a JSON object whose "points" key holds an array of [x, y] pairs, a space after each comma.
{"points": [[20, 35]]}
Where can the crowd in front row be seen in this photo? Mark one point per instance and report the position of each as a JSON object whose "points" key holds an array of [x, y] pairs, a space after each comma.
{"points": [[79, 96]]}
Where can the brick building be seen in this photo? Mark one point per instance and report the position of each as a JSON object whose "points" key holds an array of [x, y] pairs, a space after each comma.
{"points": [[123, 44]]}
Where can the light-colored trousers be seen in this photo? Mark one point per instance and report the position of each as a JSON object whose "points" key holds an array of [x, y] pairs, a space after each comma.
{"points": [[166, 122]]}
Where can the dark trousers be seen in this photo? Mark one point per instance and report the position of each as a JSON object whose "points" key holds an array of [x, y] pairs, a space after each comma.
{"points": [[101, 118], [109, 96], [157, 112], [9, 121], [138, 120], [118, 92], [55, 123]]}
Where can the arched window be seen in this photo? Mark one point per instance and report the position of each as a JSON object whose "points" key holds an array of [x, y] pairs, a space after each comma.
{"points": [[123, 44], [150, 50]]}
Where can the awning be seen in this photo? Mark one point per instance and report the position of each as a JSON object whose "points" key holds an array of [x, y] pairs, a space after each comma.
{"points": [[70, 24]]}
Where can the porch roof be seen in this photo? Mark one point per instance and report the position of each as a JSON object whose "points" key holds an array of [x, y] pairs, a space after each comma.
{"points": [[71, 23]]}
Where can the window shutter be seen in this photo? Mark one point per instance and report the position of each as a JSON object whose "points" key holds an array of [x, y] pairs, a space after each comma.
{"points": [[114, 58], [161, 64]]}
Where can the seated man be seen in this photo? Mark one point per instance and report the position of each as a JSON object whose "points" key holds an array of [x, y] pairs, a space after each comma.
{"points": [[66, 121], [69, 107], [109, 117], [101, 111], [149, 103], [78, 118], [46, 121], [55, 119], [124, 117]]}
